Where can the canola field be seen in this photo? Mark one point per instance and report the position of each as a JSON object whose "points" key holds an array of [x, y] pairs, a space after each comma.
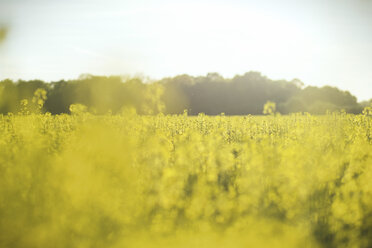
{"points": [[179, 181]]}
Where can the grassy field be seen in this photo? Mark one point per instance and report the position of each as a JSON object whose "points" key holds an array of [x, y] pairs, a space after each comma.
{"points": [[178, 181]]}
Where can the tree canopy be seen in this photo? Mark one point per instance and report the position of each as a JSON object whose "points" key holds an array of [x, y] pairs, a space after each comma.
{"points": [[211, 94]]}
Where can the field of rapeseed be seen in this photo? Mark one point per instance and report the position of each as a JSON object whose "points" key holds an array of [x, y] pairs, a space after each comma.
{"points": [[179, 181]]}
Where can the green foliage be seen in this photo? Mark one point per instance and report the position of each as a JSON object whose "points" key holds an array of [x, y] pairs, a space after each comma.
{"points": [[182, 181], [211, 94], [320, 100], [366, 103], [11, 95]]}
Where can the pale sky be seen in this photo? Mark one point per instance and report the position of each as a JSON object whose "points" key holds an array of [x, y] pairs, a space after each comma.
{"points": [[321, 42]]}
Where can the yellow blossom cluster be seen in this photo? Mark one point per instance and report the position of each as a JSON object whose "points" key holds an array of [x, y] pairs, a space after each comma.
{"points": [[185, 181]]}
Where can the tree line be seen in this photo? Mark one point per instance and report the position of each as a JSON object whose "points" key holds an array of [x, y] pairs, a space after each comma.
{"points": [[211, 94]]}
